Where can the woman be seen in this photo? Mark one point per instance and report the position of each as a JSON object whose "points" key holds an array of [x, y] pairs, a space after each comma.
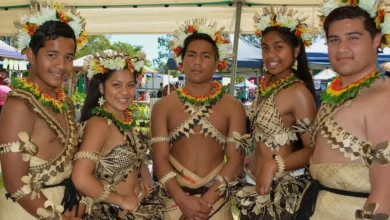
{"points": [[112, 153], [280, 117]]}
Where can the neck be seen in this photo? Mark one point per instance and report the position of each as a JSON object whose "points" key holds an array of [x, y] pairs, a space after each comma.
{"points": [[42, 86], [118, 114], [346, 80], [199, 89]]}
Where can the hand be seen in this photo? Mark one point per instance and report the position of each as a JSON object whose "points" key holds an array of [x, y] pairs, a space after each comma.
{"points": [[194, 207], [72, 213], [129, 202], [146, 185], [266, 176]]}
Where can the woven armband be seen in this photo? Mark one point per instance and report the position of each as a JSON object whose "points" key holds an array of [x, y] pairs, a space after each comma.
{"points": [[26, 146], [167, 177], [158, 139], [50, 211], [302, 126], [380, 154], [242, 142], [87, 155], [25, 190]]}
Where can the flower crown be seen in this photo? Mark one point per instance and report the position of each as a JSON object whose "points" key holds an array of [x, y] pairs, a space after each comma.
{"points": [[376, 9], [101, 63], [42, 12], [201, 25], [283, 17]]}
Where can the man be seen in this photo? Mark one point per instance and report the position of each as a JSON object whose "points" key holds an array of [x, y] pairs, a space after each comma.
{"points": [[160, 91], [38, 128], [193, 129], [350, 165]]}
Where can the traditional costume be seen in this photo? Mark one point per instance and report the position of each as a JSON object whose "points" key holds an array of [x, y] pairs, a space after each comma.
{"points": [[199, 109], [114, 166], [268, 128], [334, 192], [50, 177]]}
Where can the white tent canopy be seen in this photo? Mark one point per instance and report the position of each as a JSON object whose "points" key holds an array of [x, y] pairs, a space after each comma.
{"points": [[325, 74], [152, 16], [246, 83]]}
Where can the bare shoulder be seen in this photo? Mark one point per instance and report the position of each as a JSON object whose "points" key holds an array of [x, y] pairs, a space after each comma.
{"points": [[97, 126], [16, 109], [300, 90], [231, 104], [378, 95], [163, 105]]}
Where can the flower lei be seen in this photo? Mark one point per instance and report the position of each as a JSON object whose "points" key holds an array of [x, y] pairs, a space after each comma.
{"points": [[58, 104], [213, 97], [282, 18], [376, 9], [265, 91], [336, 95], [42, 13], [123, 125], [201, 26], [101, 62]]}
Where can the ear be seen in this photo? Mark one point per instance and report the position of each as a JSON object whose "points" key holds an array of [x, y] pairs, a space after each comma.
{"points": [[296, 51], [30, 56], [101, 88], [377, 40]]}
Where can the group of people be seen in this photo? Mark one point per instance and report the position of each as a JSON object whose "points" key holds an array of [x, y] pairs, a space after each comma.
{"points": [[308, 163]]}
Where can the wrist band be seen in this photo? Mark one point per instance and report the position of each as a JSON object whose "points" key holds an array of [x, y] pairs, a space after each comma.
{"points": [[280, 162], [106, 191]]}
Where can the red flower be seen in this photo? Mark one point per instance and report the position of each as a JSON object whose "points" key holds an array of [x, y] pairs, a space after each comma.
{"points": [[258, 33], [191, 29], [222, 65], [179, 67], [177, 50]]}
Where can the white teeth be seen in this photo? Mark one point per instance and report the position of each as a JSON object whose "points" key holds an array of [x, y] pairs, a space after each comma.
{"points": [[273, 63]]}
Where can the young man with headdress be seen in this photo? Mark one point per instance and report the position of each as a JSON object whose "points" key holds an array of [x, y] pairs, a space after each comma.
{"points": [[280, 118], [350, 165], [196, 126], [38, 127]]}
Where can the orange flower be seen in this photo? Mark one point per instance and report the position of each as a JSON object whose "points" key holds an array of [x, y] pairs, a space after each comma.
{"points": [[191, 29]]}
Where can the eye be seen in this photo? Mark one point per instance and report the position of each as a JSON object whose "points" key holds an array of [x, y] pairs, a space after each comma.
{"points": [[131, 85], [69, 57], [190, 55], [206, 56], [51, 55], [278, 47], [333, 40], [264, 48], [116, 85], [353, 38]]}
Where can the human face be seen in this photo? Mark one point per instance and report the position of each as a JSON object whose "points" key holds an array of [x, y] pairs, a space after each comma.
{"points": [[199, 63], [52, 64], [119, 91], [3, 75], [351, 49], [278, 56]]}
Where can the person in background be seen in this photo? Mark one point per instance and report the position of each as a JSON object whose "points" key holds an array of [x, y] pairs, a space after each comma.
{"points": [[3, 75], [160, 91], [4, 90]]}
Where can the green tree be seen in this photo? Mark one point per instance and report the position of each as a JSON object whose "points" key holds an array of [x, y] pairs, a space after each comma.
{"points": [[240, 79], [251, 38], [164, 53], [95, 43]]}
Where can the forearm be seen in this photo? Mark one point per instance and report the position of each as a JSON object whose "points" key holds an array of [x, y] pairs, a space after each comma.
{"points": [[298, 159], [230, 171], [162, 168], [91, 187], [145, 174]]}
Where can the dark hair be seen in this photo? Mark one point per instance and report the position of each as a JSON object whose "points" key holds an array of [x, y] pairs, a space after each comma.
{"points": [[199, 36], [50, 30], [303, 70], [351, 12], [93, 93], [3, 70]]}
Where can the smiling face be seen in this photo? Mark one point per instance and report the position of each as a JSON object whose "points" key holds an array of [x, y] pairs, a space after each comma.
{"points": [[119, 91], [200, 62], [278, 56], [351, 48], [52, 63]]}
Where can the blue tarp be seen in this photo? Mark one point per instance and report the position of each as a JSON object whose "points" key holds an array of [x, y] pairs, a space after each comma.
{"points": [[10, 52]]}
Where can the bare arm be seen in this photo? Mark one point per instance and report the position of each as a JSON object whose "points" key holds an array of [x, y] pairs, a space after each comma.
{"points": [[378, 127], [235, 158], [161, 165], [304, 107], [96, 133], [15, 118]]}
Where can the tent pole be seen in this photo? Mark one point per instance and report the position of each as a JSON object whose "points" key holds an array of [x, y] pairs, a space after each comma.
{"points": [[169, 84], [235, 47]]}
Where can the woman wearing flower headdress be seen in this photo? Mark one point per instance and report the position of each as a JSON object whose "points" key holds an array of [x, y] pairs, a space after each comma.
{"points": [[194, 127], [280, 117], [37, 123], [112, 153], [351, 161]]}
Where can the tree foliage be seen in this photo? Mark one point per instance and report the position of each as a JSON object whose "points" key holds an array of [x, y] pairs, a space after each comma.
{"points": [[164, 53]]}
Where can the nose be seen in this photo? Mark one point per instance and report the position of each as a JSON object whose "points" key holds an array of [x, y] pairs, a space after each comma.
{"points": [[343, 45], [125, 90], [198, 59], [60, 63]]}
